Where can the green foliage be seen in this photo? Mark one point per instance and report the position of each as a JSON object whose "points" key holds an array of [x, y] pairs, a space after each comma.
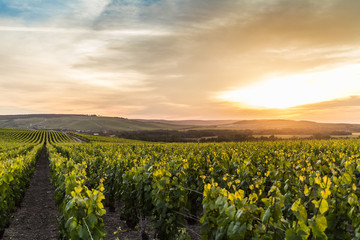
{"points": [[81, 208], [33, 136], [263, 190], [16, 168], [93, 138]]}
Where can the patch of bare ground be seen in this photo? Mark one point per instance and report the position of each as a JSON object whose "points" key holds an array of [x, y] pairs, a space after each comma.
{"points": [[37, 216], [117, 228]]}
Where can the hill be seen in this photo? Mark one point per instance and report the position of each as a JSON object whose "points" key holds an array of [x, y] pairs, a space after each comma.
{"points": [[265, 125], [281, 124], [83, 123], [203, 123], [93, 123]]}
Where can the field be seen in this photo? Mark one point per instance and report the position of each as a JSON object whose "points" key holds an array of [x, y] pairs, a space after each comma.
{"points": [[303, 189]]}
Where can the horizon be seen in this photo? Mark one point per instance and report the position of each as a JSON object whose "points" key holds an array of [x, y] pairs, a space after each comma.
{"points": [[182, 60], [178, 120]]}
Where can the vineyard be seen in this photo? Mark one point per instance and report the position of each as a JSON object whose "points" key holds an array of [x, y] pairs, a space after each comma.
{"points": [[250, 190], [19, 151], [34, 137]]}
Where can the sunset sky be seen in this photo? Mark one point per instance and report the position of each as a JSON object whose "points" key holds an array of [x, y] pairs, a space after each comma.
{"points": [[182, 59]]}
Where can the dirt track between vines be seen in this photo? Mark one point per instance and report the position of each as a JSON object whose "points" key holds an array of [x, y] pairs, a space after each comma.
{"points": [[37, 217]]}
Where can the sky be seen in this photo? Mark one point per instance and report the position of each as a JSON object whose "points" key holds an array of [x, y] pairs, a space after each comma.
{"points": [[182, 59]]}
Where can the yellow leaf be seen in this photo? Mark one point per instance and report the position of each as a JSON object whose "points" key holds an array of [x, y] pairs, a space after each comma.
{"points": [[321, 223], [99, 205], [78, 189], [324, 206], [231, 197], [240, 194], [207, 188], [253, 198], [316, 203], [325, 193]]}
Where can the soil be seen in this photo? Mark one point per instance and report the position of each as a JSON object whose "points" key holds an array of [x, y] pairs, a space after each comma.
{"points": [[37, 216], [117, 228]]}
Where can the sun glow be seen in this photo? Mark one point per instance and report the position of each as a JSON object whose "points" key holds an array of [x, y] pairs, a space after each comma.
{"points": [[295, 90]]}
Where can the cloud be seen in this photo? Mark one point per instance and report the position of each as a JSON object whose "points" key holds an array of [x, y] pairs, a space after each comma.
{"points": [[338, 110], [166, 58], [351, 101]]}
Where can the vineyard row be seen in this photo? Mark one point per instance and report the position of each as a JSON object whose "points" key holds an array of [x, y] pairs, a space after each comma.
{"points": [[265, 190]]}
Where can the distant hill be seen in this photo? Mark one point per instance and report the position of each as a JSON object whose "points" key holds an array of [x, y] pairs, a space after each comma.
{"points": [[191, 122], [82, 123], [266, 126], [280, 124], [93, 123]]}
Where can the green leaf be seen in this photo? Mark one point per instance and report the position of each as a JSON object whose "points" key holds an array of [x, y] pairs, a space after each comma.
{"points": [[267, 214], [83, 233], [352, 199], [291, 234], [304, 230], [266, 201], [220, 233], [233, 230], [8, 178], [70, 204], [278, 213], [91, 220], [306, 190], [68, 222], [318, 227], [346, 178], [238, 214], [219, 201], [230, 211], [71, 224]]}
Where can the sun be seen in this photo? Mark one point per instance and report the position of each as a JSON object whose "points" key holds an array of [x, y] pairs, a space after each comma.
{"points": [[300, 89]]}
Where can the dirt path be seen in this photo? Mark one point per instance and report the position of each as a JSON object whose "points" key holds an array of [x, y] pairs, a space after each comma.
{"points": [[74, 138], [37, 217]]}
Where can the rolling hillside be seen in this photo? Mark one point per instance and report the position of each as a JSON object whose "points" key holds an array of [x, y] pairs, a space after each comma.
{"points": [[291, 124], [93, 123], [80, 122], [265, 125]]}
